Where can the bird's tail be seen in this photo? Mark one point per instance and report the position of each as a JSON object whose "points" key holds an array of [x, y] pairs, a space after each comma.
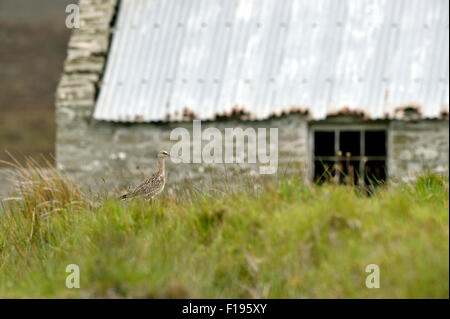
{"points": [[123, 197]]}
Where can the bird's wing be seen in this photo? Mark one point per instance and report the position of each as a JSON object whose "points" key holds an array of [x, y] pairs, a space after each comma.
{"points": [[146, 186], [140, 189]]}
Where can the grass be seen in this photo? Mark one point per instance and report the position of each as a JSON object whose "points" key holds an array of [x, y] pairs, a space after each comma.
{"points": [[283, 239]]}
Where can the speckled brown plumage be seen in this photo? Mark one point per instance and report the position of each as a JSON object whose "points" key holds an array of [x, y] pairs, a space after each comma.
{"points": [[153, 185]]}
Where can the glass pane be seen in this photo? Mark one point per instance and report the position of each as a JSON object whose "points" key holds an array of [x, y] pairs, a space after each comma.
{"points": [[375, 172], [323, 143], [323, 171], [349, 142], [350, 172], [375, 143]]}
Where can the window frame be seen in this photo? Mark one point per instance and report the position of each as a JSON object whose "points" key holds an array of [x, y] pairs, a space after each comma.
{"points": [[337, 128]]}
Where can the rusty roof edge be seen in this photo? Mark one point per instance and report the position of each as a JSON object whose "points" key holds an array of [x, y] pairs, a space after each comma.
{"points": [[406, 112]]}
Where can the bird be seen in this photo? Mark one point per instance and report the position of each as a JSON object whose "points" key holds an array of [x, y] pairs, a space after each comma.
{"points": [[154, 184]]}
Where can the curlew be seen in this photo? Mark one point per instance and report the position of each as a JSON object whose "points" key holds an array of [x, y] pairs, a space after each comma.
{"points": [[153, 185]]}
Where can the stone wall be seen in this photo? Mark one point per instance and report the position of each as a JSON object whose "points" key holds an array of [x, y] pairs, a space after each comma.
{"points": [[115, 156], [80, 82], [417, 146], [112, 155], [85, 62]]}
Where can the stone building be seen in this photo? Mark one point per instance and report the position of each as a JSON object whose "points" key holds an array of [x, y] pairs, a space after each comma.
{"points": [[353, 86]]}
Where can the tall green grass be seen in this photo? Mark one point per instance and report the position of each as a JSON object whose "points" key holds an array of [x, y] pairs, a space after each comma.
{"points": [[278, 239]]}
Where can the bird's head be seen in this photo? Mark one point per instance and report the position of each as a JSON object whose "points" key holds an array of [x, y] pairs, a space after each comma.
{"points": [[163, 154]]}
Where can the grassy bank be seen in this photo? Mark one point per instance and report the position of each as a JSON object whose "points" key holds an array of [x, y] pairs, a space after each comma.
{"points": [[282, 240]]}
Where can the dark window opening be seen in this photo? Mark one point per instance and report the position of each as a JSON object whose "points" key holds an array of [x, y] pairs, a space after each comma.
{"points": [[375, 143], [352, 157], [375, 172], [325, 146], [323, 171], [349, 142]]}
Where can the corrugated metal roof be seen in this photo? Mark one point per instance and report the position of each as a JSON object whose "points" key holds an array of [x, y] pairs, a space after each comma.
{"points": [[204, 58]]}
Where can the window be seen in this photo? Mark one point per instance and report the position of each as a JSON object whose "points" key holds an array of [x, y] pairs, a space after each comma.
{"points": [[349, 155]]}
